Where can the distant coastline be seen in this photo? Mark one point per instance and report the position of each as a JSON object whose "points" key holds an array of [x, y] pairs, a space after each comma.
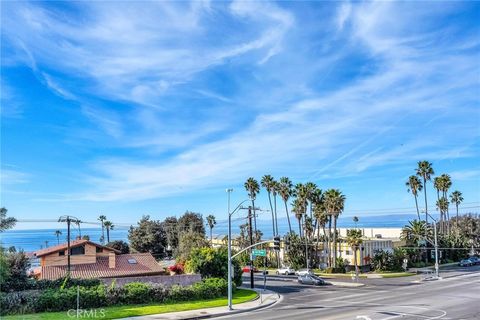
{"points": [[34, 239]]}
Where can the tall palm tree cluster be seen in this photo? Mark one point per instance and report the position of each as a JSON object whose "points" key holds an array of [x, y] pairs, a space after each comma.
{"points": [[312, 208], [442, 184], [106, 226]]}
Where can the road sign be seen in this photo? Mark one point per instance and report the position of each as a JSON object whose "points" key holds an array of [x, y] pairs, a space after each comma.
{"points": [[259, 252]]}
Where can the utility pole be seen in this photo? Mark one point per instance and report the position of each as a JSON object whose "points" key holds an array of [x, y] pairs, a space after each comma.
{"points": [[68, 220], [252, 285]]}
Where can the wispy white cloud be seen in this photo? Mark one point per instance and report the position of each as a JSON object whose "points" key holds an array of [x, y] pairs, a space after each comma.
{"points": [[10, 177], [297, 107]]}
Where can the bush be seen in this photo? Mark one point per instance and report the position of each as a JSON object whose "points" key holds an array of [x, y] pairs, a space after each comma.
{"points": [[137, 292], [65, 282], [212, 263], [60, 299], [120, 245]]}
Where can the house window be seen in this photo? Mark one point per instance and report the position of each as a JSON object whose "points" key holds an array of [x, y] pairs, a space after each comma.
{"points": [[77, 250], [132, 261], [61, 253], [99, 250], [347, 252]]}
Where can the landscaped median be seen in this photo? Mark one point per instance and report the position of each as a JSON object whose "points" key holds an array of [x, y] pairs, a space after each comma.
{"points": [[134, 299]]}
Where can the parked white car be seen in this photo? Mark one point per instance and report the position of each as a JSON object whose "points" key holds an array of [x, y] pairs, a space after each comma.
{"points": [[303, 272], [285, 270]]}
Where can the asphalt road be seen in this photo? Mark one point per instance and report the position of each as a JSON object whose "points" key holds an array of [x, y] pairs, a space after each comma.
{"points": [[457, 296]]}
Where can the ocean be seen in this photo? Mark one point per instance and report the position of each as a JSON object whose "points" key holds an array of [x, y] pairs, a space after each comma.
{"points": [[35, 239]]}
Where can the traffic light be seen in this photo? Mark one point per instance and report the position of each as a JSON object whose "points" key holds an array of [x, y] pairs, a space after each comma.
{"points": [[276, 243]]}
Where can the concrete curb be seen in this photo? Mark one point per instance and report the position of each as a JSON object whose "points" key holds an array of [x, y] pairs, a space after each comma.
{"points": [[227, 313]]}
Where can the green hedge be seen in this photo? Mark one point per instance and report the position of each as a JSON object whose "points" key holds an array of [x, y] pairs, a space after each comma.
{"points": [[99, 296]]}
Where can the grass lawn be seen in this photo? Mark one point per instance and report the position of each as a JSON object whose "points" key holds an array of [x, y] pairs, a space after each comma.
{"points": [[397, 274], [239, 296]]}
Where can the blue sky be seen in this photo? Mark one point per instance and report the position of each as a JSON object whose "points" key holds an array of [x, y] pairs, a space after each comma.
{"points": [[132, 108]]}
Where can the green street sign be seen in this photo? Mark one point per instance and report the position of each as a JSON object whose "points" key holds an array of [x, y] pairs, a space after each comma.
{"points": [[259, 252]]}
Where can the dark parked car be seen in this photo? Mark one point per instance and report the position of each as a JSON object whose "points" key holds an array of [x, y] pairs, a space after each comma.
{"points": [[465, 263], [311, 279], [474, 260]]}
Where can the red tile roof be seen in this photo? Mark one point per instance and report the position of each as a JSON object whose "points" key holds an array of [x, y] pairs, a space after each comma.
{"points": [[73, 243], [146, 265]]}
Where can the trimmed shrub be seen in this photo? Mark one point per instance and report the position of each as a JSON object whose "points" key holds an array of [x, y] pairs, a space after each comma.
{"points": [[137, 292], [60, 299]]}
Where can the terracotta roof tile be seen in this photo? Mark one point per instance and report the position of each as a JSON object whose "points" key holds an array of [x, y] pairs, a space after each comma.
{"points": [[146, 264]]}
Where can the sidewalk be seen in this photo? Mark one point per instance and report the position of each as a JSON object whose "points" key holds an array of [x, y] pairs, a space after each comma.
{"points": [[266, 298]]}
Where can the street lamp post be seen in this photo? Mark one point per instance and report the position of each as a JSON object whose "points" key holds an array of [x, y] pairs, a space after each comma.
{"points": [[435, 243], [229, 191]]}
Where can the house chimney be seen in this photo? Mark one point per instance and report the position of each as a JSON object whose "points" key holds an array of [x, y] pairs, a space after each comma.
{"points": [[111, 260]]}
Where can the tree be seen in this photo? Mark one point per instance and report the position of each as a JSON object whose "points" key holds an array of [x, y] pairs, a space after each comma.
{"points": [[191, 222], [211, 223], [285, 191], [78, 222], [102, 218], [301, 195], [6, 222], [425, 171], [170, 225], [119, 245], [415, 231], [311, 195], [295, 253], [253, 188], [298, 208], [187, 242], [456, 198], [446, 185], [268, 183], [108, 226], [442, 206], [415, 186], [15, 277], [321, 221], [334, 203], [354, 240], [58, 233], [213, 263], [148, 236], [355, 220]]}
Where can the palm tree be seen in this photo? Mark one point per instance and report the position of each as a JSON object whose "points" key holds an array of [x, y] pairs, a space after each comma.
{"points": [[308, 227], [415, 186], [311, 195], [425, 171], [6, 222], [78, 222], [298, 208], [301, 193], [442, 206], [321, 219], [446, 185], [211, 223], [335, 203], [456, 198], [355, 220], [415, 231], [275, 190], [108, 226], [252, 187], [268, 183], [285, 191], [102, 218], [438, 185], [58, 233], [354, 240]]}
